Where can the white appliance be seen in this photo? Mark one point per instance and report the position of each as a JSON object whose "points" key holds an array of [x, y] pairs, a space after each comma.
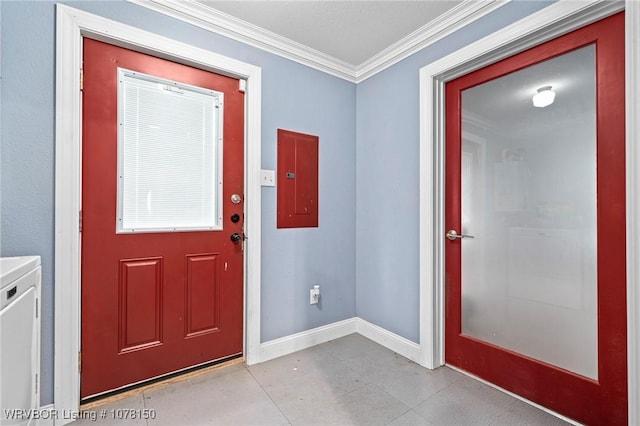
{"points": [[19, 339]]}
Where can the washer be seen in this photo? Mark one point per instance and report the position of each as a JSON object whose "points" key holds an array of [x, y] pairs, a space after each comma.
{"points": [[19, 339]]}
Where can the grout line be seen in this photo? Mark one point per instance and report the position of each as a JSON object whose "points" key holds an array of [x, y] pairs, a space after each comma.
{"points": [[144, 406], [268, 395], [410, 409], [457, 379]]}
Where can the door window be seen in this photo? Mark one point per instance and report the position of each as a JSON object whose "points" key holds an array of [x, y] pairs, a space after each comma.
{"points": [[169, 155], [529, 275]]}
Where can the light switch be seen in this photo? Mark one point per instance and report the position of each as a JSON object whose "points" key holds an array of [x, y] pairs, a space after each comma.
{"points": [[267, 177]]}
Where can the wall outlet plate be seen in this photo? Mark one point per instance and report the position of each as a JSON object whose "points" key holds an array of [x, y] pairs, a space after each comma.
{"points": [[267, 177], [314, 296]]}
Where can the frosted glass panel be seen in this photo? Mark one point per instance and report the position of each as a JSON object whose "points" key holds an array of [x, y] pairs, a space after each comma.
{"points": [[169, 155], [529, 199]]}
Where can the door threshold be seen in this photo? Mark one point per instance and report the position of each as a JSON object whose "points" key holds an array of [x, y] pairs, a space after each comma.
{"points": [[159, 382]]}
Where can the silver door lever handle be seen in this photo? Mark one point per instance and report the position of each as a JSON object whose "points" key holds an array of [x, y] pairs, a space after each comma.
{"points": [[453, 235]]}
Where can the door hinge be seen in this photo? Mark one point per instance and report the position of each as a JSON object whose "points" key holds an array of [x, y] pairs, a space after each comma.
{"points": [[36, 383], [80, 220], [242, 85], [36, 308], [81, 79], [80, 362]]}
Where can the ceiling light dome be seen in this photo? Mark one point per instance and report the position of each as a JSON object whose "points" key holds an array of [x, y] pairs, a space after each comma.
{"points": [[544, 97]]}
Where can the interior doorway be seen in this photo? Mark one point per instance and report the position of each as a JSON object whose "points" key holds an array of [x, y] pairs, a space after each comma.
{"points": [[555, 20], [535, 243]]}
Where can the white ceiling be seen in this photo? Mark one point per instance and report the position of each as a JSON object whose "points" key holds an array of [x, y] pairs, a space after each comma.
{"points": [[353, 39], [349, 31]]}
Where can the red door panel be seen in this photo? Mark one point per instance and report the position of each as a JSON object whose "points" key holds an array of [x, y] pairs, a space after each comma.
{"points": [[601, 401], [139, 304], [158, 302], [202, 303]]}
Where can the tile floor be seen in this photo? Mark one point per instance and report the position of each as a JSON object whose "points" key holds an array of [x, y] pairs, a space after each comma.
{"points": [[348, 381]]}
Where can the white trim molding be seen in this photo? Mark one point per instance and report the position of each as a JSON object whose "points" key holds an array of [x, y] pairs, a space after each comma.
{"points": [[213, 20], [72, 26], [389, 340], [448, 23], [632, 71], [554, 20], [306, 339]]}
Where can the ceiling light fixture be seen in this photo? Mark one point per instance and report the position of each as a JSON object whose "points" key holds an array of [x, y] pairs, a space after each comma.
{"points": [[544, 97]]}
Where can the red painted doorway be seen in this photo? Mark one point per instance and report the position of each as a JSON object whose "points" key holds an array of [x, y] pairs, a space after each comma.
{"points": [[162, 217], [535, 220]]}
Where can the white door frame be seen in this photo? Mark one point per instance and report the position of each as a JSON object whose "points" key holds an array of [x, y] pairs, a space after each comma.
{"points": [[72, 26], [548, 23]]}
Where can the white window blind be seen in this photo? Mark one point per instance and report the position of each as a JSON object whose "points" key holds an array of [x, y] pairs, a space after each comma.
{"points": [[169, 155]]}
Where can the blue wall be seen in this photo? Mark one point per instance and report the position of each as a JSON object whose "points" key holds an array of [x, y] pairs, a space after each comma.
{"points": [[294, 97], [368, 134], [387, 221]]}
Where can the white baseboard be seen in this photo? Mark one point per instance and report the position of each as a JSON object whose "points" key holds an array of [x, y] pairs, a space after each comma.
{"points": [[389, 340], [296, 342]]}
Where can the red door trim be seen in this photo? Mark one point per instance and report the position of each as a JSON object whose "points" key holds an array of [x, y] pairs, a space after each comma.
{"points": [[604, 401]]}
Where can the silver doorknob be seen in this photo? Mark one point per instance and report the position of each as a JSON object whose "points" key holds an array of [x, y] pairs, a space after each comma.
{"points": [[453, 235]]}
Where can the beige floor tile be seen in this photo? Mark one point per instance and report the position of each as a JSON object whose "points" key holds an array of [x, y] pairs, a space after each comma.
{"points": [[348, 381], [466, 402], [413, 384], [410, 418], [365, 406], [231, 399]]}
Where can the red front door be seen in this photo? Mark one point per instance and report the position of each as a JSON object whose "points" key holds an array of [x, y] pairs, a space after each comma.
{"points": [[535, 192], [162, 156]]}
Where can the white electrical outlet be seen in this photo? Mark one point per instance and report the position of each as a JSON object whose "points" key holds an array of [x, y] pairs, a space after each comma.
{"points": [[314, 295]]}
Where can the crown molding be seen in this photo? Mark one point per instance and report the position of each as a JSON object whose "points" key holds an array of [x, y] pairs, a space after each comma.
{"points": [[218, 22], [213, 20], [448, 23]]}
